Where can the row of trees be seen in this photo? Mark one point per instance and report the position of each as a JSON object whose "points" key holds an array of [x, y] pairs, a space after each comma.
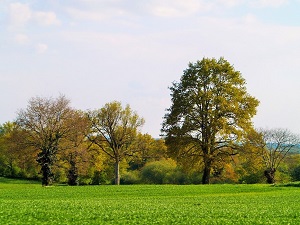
{"points": [[207, 130]]}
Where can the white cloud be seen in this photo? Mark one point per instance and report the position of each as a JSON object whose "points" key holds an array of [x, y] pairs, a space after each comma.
{"points": [[250, 19], [267, 3], [230, 3], [86, 15], [178, 8], [41, 48], [96, 14], [46, 18], [20, 14], [21, 39]]}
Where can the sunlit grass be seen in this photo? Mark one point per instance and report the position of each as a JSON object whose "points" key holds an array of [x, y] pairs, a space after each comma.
{"points": [[27, 203]]}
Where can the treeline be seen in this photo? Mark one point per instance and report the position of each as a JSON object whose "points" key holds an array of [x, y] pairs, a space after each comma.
{"points": [[207, 137], [63, 145]]}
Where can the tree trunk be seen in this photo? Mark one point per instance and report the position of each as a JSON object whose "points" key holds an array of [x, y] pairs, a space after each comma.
{"points": [[47, 175], [117, 172], [73, 174], [270, 175], [46, 161], [206, 172]]}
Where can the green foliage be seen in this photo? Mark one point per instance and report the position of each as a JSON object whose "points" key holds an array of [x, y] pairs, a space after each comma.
{"points": [[114, 130], [24, 203], [295, 174], [100, 177], [210, 113], [131, 177], [252, 178], [161, 172]]}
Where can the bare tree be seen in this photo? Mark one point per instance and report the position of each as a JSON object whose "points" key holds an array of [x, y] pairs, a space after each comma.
{"points": [[275, 145], [45, 122]]}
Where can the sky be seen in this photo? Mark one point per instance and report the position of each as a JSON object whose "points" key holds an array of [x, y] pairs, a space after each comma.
{"points": [[98, 51]]}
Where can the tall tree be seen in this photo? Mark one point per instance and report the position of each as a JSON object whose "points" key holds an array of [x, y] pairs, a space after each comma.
{"points": [[274, 145], [113, 130], [210, 112], [45, 122]]}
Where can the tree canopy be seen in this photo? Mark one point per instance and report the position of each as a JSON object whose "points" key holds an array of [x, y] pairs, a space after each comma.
{"points": [[210, 113], [113, 130], [43, 124]]}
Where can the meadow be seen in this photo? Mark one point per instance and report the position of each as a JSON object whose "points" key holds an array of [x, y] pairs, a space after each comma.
{"points": [[26, 202]]}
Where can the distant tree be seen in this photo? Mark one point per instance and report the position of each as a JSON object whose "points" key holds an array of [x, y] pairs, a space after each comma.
{"points": [[274, 145], [210, 113], [145, 149], [75, 148], [45, 123], [8, 157], [15, 160], [113, 130], [250, 165]]}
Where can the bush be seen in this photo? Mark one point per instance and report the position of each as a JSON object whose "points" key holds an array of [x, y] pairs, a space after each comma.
{"points": [[131, 177], [100, 177], [162, 172], [252, 178], [295, 174]]}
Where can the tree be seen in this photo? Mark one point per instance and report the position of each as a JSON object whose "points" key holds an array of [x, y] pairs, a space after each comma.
{"points": [[113, 130], [250, 165], [210, 113], [274, 146], [16, 160], [7, 157], [146, 149], [75, 148], [45, 123]]}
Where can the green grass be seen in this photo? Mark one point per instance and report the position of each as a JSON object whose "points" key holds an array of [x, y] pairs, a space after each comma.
{"points": [[24, 202]]}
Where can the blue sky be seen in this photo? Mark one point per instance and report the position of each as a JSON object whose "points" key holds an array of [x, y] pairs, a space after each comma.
{"points": [[97, 51]]}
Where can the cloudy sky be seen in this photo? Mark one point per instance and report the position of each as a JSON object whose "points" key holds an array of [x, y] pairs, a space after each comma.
{"points": [[97, 51]]}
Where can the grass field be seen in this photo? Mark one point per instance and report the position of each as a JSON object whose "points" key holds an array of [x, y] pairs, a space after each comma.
{"points": [[24, 202]]}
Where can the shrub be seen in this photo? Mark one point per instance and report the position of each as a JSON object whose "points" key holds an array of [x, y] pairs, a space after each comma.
{"points": [[295, 174], [162, 172], [131, 177]]}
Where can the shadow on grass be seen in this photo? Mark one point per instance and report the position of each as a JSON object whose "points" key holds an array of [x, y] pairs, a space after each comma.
{"points": [[293, 184], [5, 180]]}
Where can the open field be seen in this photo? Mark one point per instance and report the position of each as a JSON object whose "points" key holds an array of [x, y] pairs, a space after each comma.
{"points": [[29, 203]]}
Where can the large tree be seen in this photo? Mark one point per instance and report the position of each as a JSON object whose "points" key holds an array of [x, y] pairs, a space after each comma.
{"points": [[45, 123], [113, 130], [210, 113]]}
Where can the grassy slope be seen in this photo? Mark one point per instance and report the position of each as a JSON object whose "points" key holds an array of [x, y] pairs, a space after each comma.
{"points": [[29, 203]]}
